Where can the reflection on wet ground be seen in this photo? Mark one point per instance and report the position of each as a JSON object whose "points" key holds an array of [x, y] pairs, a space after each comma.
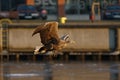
{"points": [[59, 71]]}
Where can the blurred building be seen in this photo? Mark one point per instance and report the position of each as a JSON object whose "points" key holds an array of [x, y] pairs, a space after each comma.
{"points": [[6, 5], [56, 7]]}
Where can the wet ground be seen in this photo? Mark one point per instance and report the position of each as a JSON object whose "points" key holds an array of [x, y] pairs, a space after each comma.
{"points": [[59, 70]]}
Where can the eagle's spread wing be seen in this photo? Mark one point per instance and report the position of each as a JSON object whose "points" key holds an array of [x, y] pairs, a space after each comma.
{"points": [[47, 32]]}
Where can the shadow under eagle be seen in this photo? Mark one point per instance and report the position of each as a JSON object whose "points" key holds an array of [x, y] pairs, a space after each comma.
{"points": [[50, 38]]}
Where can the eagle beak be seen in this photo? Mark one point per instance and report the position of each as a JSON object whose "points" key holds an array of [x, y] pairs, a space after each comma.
{"points": [[36, 51], [43, 51]]}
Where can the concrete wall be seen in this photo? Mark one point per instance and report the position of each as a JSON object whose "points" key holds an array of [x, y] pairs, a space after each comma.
{"points": [[20, 39], [87, 39]]}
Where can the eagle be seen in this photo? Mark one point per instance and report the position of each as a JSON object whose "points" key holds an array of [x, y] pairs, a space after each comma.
{"points": [[49, 38]]}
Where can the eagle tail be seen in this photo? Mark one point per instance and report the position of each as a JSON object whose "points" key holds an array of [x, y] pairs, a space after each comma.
{"points": [[65, 37]]}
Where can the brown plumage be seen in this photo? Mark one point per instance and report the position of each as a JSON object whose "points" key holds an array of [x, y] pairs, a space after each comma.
{"points": [[50, 38]]}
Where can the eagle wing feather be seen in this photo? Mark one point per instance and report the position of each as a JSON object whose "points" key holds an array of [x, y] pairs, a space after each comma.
{"points": [[47, 31]]}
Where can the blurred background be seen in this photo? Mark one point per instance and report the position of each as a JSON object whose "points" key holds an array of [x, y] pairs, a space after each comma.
{"points": [[94, 25], [54, 9]]}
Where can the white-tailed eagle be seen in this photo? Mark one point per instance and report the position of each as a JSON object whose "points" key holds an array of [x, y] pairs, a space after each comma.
{"points": [[50, 38]]}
